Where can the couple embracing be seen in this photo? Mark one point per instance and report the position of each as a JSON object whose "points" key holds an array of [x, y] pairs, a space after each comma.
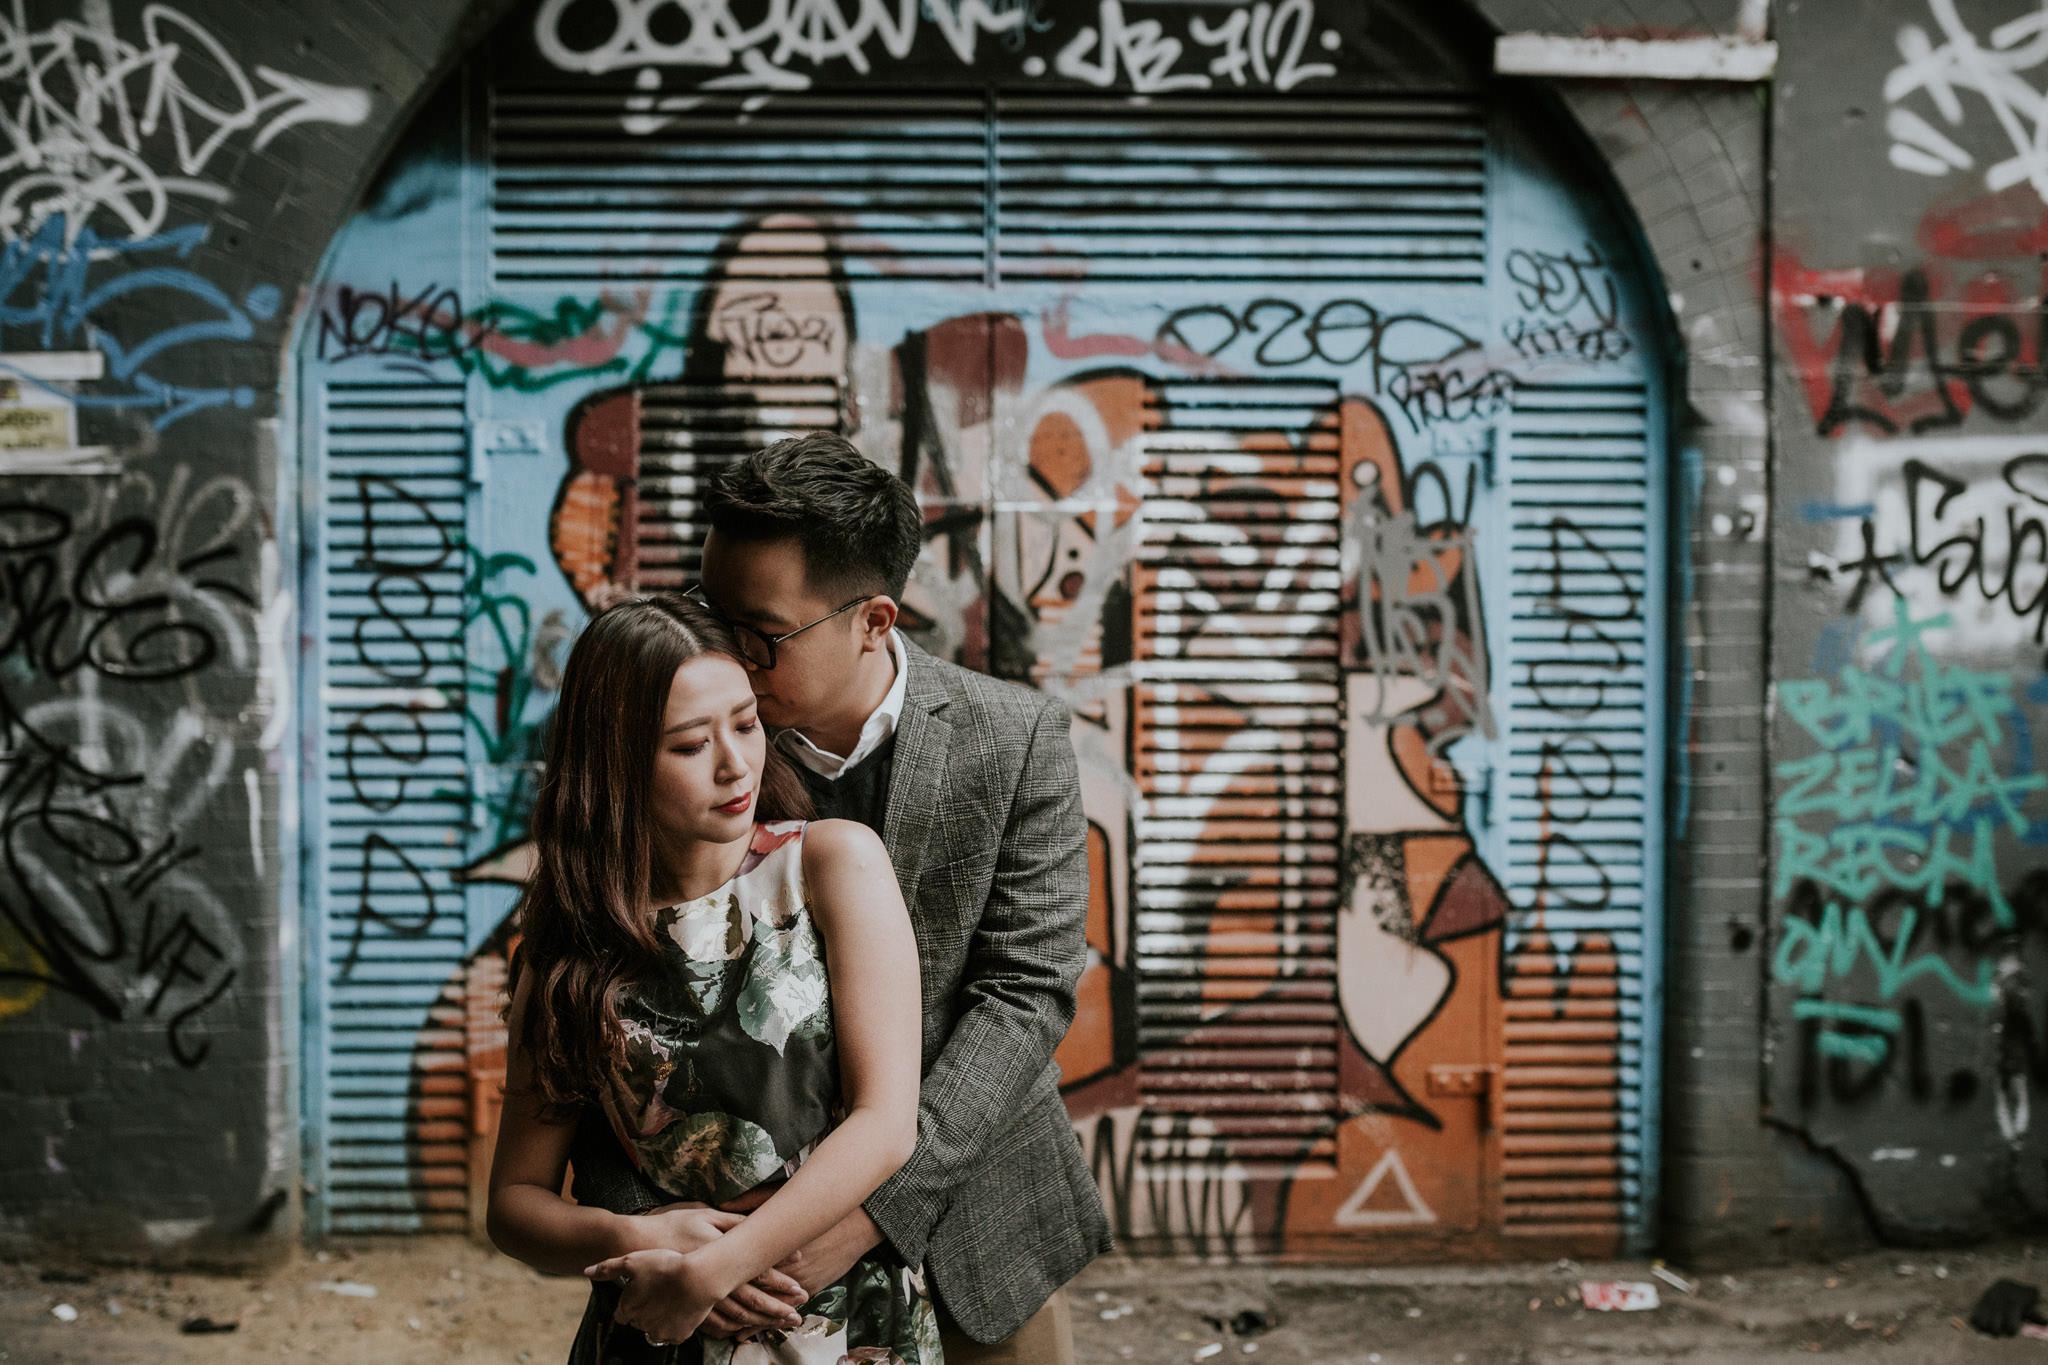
{"points": [[802, 936]]}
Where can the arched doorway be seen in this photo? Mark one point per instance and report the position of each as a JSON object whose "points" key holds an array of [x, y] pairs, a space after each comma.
{"points": [[1276, 393]]}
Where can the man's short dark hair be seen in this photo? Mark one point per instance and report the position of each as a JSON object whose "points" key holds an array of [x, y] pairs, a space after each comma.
{"points": [[857, 523]]}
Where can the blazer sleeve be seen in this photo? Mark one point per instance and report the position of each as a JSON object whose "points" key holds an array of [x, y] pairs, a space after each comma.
{"points": [[1017, 996]]}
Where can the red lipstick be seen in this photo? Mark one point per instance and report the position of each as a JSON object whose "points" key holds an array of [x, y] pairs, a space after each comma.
{"points": [[738, 805]]}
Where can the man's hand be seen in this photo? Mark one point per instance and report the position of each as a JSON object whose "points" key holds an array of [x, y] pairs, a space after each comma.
{"points": [[811, 1268]]}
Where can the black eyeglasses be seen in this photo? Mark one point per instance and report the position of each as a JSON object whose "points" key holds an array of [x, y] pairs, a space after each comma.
{"points": [[759, 646]]}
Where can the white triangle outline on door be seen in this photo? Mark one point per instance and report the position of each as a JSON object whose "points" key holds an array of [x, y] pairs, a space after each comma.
{"points": [[1355, 1214]]}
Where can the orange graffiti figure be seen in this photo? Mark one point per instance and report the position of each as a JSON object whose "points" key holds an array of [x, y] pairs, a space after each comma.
{"points": [[1420, 916]]}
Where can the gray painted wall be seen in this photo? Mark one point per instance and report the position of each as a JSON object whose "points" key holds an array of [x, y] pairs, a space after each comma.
{"points": [[147, 1060], [1905, 1024]]}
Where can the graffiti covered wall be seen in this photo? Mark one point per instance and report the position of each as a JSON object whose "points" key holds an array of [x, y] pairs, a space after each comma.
{"points": [[158, 216], [1343, 548], [1906, 953], [1375, 921]]}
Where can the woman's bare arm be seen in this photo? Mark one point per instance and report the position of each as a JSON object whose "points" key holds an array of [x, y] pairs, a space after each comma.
{"points": [[529, 1219]]}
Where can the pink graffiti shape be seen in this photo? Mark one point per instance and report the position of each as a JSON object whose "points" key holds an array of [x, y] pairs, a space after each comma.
{"points": [[1067, 347]]}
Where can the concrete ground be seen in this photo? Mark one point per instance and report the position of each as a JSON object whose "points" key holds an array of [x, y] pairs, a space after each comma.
{"points": [[436, 1299]]}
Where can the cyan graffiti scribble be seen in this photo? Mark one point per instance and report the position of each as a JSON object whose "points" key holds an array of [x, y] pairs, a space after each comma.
{"points": [[1907, 774]]}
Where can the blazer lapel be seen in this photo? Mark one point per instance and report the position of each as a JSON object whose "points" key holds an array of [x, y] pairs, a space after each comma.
{"points": [[918, 777]]}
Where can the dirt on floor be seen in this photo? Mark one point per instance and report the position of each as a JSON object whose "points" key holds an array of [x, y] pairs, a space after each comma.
{"points": [[447, 1299]]}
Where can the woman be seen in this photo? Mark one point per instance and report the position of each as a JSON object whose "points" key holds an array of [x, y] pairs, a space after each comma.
{"points": [[735, 991]]}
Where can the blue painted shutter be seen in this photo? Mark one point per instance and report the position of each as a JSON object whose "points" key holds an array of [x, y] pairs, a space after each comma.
{"points": [[621, 190], [392, 1127], [1266, 190], [1581, 737]]}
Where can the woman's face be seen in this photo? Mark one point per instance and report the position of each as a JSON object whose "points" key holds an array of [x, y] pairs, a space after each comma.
{"points": [[707, 768]]}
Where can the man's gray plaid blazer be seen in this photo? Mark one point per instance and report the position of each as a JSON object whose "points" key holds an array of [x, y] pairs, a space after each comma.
{"points": [[983, 822]]}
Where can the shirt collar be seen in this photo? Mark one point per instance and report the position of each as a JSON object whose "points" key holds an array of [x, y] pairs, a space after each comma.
{"points": [[874, 732]]}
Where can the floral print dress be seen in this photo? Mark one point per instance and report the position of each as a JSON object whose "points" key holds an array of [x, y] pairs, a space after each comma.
{"points": [[730, 1079]]}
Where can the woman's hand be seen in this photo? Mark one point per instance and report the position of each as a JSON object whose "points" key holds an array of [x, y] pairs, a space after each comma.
{"points": [[771, 1300], [685, 1227], [663, 1293]]}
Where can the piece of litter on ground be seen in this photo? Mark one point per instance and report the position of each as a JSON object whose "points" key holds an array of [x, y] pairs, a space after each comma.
{"points": [[2038, 1331], [1214, 1348], [1250, 1323], [1126, 1352], [413, 1323], [1102, 1296], [64, 1312], [1618, 1296], [1415, 1312], [1731, 1284], [1250, 1348], [197, 1327], [1672, 1278], [354, 1289], [113, 1308], [1535, 1304], [1941, 1272]]}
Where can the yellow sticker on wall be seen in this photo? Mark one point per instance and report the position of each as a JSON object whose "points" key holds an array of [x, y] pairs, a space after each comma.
{"points": [[33, 429]]}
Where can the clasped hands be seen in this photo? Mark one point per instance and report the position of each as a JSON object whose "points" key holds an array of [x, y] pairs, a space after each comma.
{"points": [[669, 1289]]}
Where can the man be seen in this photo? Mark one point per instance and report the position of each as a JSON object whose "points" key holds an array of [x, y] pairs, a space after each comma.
{"points": [[973, 787]]}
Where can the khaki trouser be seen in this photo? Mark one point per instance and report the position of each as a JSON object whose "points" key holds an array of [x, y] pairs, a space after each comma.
{"points": [[1047, 1338]]}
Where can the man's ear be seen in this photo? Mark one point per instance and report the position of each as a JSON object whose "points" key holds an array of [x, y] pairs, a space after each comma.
{"points": [[877, 619]]}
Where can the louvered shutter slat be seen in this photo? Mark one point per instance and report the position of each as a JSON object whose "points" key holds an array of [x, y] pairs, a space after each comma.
{"points": [[393, 788], [1268, 190], [1236, 750], [1580, 688]]}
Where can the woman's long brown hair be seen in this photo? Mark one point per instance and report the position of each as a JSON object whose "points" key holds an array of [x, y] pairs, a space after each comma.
{"points": [[584, 924]]}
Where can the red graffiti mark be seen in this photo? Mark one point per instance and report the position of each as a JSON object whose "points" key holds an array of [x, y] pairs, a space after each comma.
{"points": [[974, 357], [1794, 291], [1068, 347], [1893, 355], [606, 336], [1989, 227]]}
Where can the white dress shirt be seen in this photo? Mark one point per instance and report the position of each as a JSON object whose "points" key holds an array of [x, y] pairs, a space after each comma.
{"points": [[874, 732]]}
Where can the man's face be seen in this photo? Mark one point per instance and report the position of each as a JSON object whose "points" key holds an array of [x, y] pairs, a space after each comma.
{"points": [[762, 583]]}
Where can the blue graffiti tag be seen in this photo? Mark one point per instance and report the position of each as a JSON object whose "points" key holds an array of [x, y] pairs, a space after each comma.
{"points": [[46, 286]]}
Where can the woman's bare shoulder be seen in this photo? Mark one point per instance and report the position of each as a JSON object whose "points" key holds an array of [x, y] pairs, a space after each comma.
{"points": [[835, 841]]}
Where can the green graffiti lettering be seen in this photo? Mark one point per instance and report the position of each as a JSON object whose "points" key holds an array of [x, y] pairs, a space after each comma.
{"points": [[1811, 955], [1836, 1012], [1854, 1047]]}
